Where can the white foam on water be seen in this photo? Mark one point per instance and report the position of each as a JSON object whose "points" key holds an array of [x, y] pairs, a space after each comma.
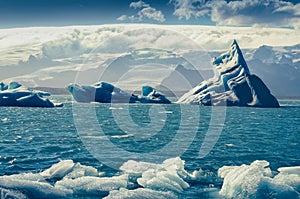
{"points": [[122, 136], [116, 108], [4, 119]]}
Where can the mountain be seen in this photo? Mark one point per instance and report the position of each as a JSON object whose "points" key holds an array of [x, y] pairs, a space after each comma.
{"points": [[191, 77], [279, 67], [232, 84]]}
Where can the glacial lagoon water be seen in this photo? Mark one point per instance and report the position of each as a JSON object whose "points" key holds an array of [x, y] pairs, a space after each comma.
{"points": [[34, 139]]}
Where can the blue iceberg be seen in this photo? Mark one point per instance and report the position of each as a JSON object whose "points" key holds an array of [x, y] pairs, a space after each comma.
{"points": [[104, 92], [15, 94], [232, 84]]}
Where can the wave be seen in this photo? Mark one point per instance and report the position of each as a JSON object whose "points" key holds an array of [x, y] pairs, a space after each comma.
{"points": [[169, 179]]}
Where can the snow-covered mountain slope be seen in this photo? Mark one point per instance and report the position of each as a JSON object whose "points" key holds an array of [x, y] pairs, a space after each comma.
{"points": [[279, 67], [232, 85]]}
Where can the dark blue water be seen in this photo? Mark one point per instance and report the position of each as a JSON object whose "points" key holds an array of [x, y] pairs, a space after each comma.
{"points": [[33, 139]]}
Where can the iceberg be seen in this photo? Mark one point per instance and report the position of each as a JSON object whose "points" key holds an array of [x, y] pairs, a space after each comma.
{"points": [[15, 94], [104, 92], [232, 84]]}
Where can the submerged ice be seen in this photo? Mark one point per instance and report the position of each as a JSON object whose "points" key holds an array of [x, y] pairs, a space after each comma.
{"points": [[104, 92], [15, 94], [232, 84]]}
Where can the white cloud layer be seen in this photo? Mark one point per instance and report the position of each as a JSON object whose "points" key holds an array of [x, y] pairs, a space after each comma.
{"points": [[241, 12], [53, 55], [145, 12], [72, 41]]}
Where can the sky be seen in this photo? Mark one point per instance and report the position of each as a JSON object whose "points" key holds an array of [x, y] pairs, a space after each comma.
{"points": [[266, 13]]}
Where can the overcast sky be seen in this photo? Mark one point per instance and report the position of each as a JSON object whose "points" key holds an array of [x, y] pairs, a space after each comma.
{"points": [[270, 13]]}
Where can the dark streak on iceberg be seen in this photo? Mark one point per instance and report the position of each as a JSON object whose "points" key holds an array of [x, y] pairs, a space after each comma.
{"points": [[232, 84], [103, 92]]}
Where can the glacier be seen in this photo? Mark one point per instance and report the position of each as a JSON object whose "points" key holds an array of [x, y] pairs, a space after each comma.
{"points": [[232, 84], [14, 94], [104, 92]]}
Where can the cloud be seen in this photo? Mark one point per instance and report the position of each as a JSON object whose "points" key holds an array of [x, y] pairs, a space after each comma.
{"points": [[122, 18], [190, 8], [151, 13], [138, 4], [145, 12], [57, 53], [242, 12]]}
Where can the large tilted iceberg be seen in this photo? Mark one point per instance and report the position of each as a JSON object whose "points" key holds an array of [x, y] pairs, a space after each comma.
{"points": [[232, 84], [15, 94], [106, 93]]}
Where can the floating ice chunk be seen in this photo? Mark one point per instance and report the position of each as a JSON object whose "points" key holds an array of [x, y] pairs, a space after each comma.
{"points": [[93, 185], [290, 170], [59, 170], [134, 167], [140, 193], [81, 170], [255, 181], [163, 181], [25, 176], [289, 176], [168, 176], [33, 185], [242, 181], [11, 194], [166, 180], [176, 164]]}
